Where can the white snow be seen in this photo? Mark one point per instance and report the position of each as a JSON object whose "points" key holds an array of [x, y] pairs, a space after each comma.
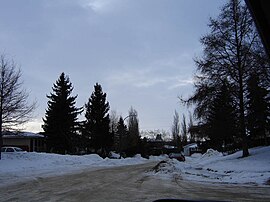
{"points": [[209, 167], [15, 167], [214, 167]]}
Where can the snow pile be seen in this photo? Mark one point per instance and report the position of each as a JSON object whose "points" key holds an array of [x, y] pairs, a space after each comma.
{"points": [[158, 158], [196, 155], [166, 169], [30, 165], [214, 167], [210, 153], [137, 159]]}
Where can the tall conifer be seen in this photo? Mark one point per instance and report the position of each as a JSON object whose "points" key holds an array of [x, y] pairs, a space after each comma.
{"points": [[60, 122], [98, 120], [122, 136], [221, 121], [258, 113]]}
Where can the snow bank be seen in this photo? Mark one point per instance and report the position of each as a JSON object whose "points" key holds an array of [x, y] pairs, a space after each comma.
{"points": [[159, 158], [210, 167], [214, 167], [168, 166], [16, 167], [196, 155], [210, 153]]}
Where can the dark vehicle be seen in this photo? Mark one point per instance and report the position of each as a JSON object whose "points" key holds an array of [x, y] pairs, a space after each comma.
{"points": [[178, 156]]}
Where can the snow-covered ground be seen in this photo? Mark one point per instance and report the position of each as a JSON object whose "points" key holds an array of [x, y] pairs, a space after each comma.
{"points": [[16, 167], [215, 167], [210, 167]]}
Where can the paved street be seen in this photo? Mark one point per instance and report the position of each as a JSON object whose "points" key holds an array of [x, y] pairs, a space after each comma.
{"points": [[126, 183]]}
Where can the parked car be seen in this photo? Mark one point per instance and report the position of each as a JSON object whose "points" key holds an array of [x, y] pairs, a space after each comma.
{"points": [[11, 149], [178, 156], [114, 155]]}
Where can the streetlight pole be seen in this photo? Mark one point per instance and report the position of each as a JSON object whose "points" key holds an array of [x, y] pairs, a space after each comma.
{"points": [[120, 138], [128, 117]]}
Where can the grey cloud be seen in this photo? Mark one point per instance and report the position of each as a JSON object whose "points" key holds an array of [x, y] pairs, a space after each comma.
{"points": [[140, 51]]}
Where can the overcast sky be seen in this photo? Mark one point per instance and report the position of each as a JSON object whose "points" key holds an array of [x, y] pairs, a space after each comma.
{"points": [[140, 51]]}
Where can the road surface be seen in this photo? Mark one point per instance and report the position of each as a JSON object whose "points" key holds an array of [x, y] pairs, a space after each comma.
{"points": [[125, 183]]}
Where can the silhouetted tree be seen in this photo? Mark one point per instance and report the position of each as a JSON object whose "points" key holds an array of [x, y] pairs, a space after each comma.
{"points": [[60, 122], [190, 126], [184, 130], [133, 130], [176, 129], [232, 50], [14, 108], [221, 122], [97, 124], [114, 118], [121, 136], [258, 113]]}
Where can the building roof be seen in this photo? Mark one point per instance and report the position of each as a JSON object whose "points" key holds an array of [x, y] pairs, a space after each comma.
{"points": [[10, 134], [169, 147], [192, 145]]}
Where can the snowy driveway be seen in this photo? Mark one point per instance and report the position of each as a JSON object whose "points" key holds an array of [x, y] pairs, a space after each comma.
{"points": [[125, 183]]}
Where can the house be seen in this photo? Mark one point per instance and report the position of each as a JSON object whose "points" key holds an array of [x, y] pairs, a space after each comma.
{"points": [[191, 149], [28, 141], [155, 146], [159, 146]]}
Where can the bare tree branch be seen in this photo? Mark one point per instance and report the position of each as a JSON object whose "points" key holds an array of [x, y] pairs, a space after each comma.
{"points": [[14, 107]]}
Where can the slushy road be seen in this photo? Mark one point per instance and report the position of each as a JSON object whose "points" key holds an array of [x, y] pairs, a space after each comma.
{"points": [[126, 183]]}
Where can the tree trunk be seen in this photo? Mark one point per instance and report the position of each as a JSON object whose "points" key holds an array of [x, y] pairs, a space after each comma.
{"points": [[1, 123], [242, 120], [240, 77], [1, 144], [1, 139], [265, 137]]}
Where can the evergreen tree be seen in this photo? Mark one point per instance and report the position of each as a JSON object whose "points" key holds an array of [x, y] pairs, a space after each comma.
{"points": [[221, 121], [60, 122], [121, 136], [97, 124], [258, 114], [133, 130]]}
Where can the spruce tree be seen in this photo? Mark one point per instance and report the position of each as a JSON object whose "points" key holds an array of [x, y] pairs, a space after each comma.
{"points": [[258, 114], [97, 121], [221, 121], [60, 122], [121, 136]]}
